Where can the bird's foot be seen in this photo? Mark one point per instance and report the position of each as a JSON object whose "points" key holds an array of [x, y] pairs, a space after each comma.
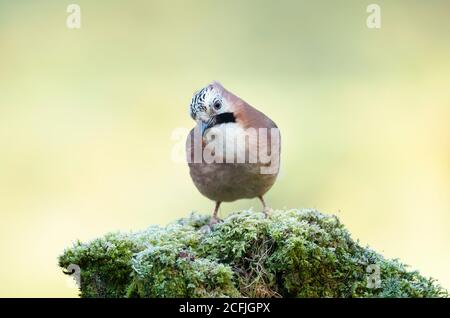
{"points": [[267, 212], [213, 221], [210, 226]]}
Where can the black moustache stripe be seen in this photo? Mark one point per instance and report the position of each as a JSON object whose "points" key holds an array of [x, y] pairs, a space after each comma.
{"points": [[221, 119]]}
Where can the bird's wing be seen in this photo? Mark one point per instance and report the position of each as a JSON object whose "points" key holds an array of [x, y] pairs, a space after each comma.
{"points": [[249, 117], [246, 115]]}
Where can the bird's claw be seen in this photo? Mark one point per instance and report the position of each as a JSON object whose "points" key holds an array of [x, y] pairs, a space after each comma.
{"points": [[207, 228], [267, 212], [214, 221]]}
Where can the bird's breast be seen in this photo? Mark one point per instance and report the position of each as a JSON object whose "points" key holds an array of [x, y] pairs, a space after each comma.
{"points": [[231, 143], [232, 161]]}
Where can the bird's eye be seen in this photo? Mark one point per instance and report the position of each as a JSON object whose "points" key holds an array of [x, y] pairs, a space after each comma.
{"points": [[217, 105]]}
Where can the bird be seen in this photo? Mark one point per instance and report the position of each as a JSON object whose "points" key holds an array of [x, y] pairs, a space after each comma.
{"points": [[233, 152]]}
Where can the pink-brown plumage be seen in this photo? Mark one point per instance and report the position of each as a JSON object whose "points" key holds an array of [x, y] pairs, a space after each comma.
{"points": [[221, 180]]}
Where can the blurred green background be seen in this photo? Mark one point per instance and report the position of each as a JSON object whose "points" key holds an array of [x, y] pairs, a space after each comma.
{"points": [[86, 120]]}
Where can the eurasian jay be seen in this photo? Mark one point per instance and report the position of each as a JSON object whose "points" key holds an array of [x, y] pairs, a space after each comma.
{"points": [[234, 151]]}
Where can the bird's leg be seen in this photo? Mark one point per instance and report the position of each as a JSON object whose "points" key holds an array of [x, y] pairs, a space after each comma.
{"points": [[214, 218], [266, 209]]}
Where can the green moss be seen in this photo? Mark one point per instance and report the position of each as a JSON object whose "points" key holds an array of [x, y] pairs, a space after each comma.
{"points": [[296, 253]]}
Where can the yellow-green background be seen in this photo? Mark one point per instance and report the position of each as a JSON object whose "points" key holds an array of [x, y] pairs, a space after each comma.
{"points": [[86, 118]]}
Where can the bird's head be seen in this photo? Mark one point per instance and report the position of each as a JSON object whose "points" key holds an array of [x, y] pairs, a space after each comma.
{"points": [[210, 106]]}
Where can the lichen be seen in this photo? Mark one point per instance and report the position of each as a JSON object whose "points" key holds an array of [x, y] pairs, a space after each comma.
{"points": [[295, 253]]}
